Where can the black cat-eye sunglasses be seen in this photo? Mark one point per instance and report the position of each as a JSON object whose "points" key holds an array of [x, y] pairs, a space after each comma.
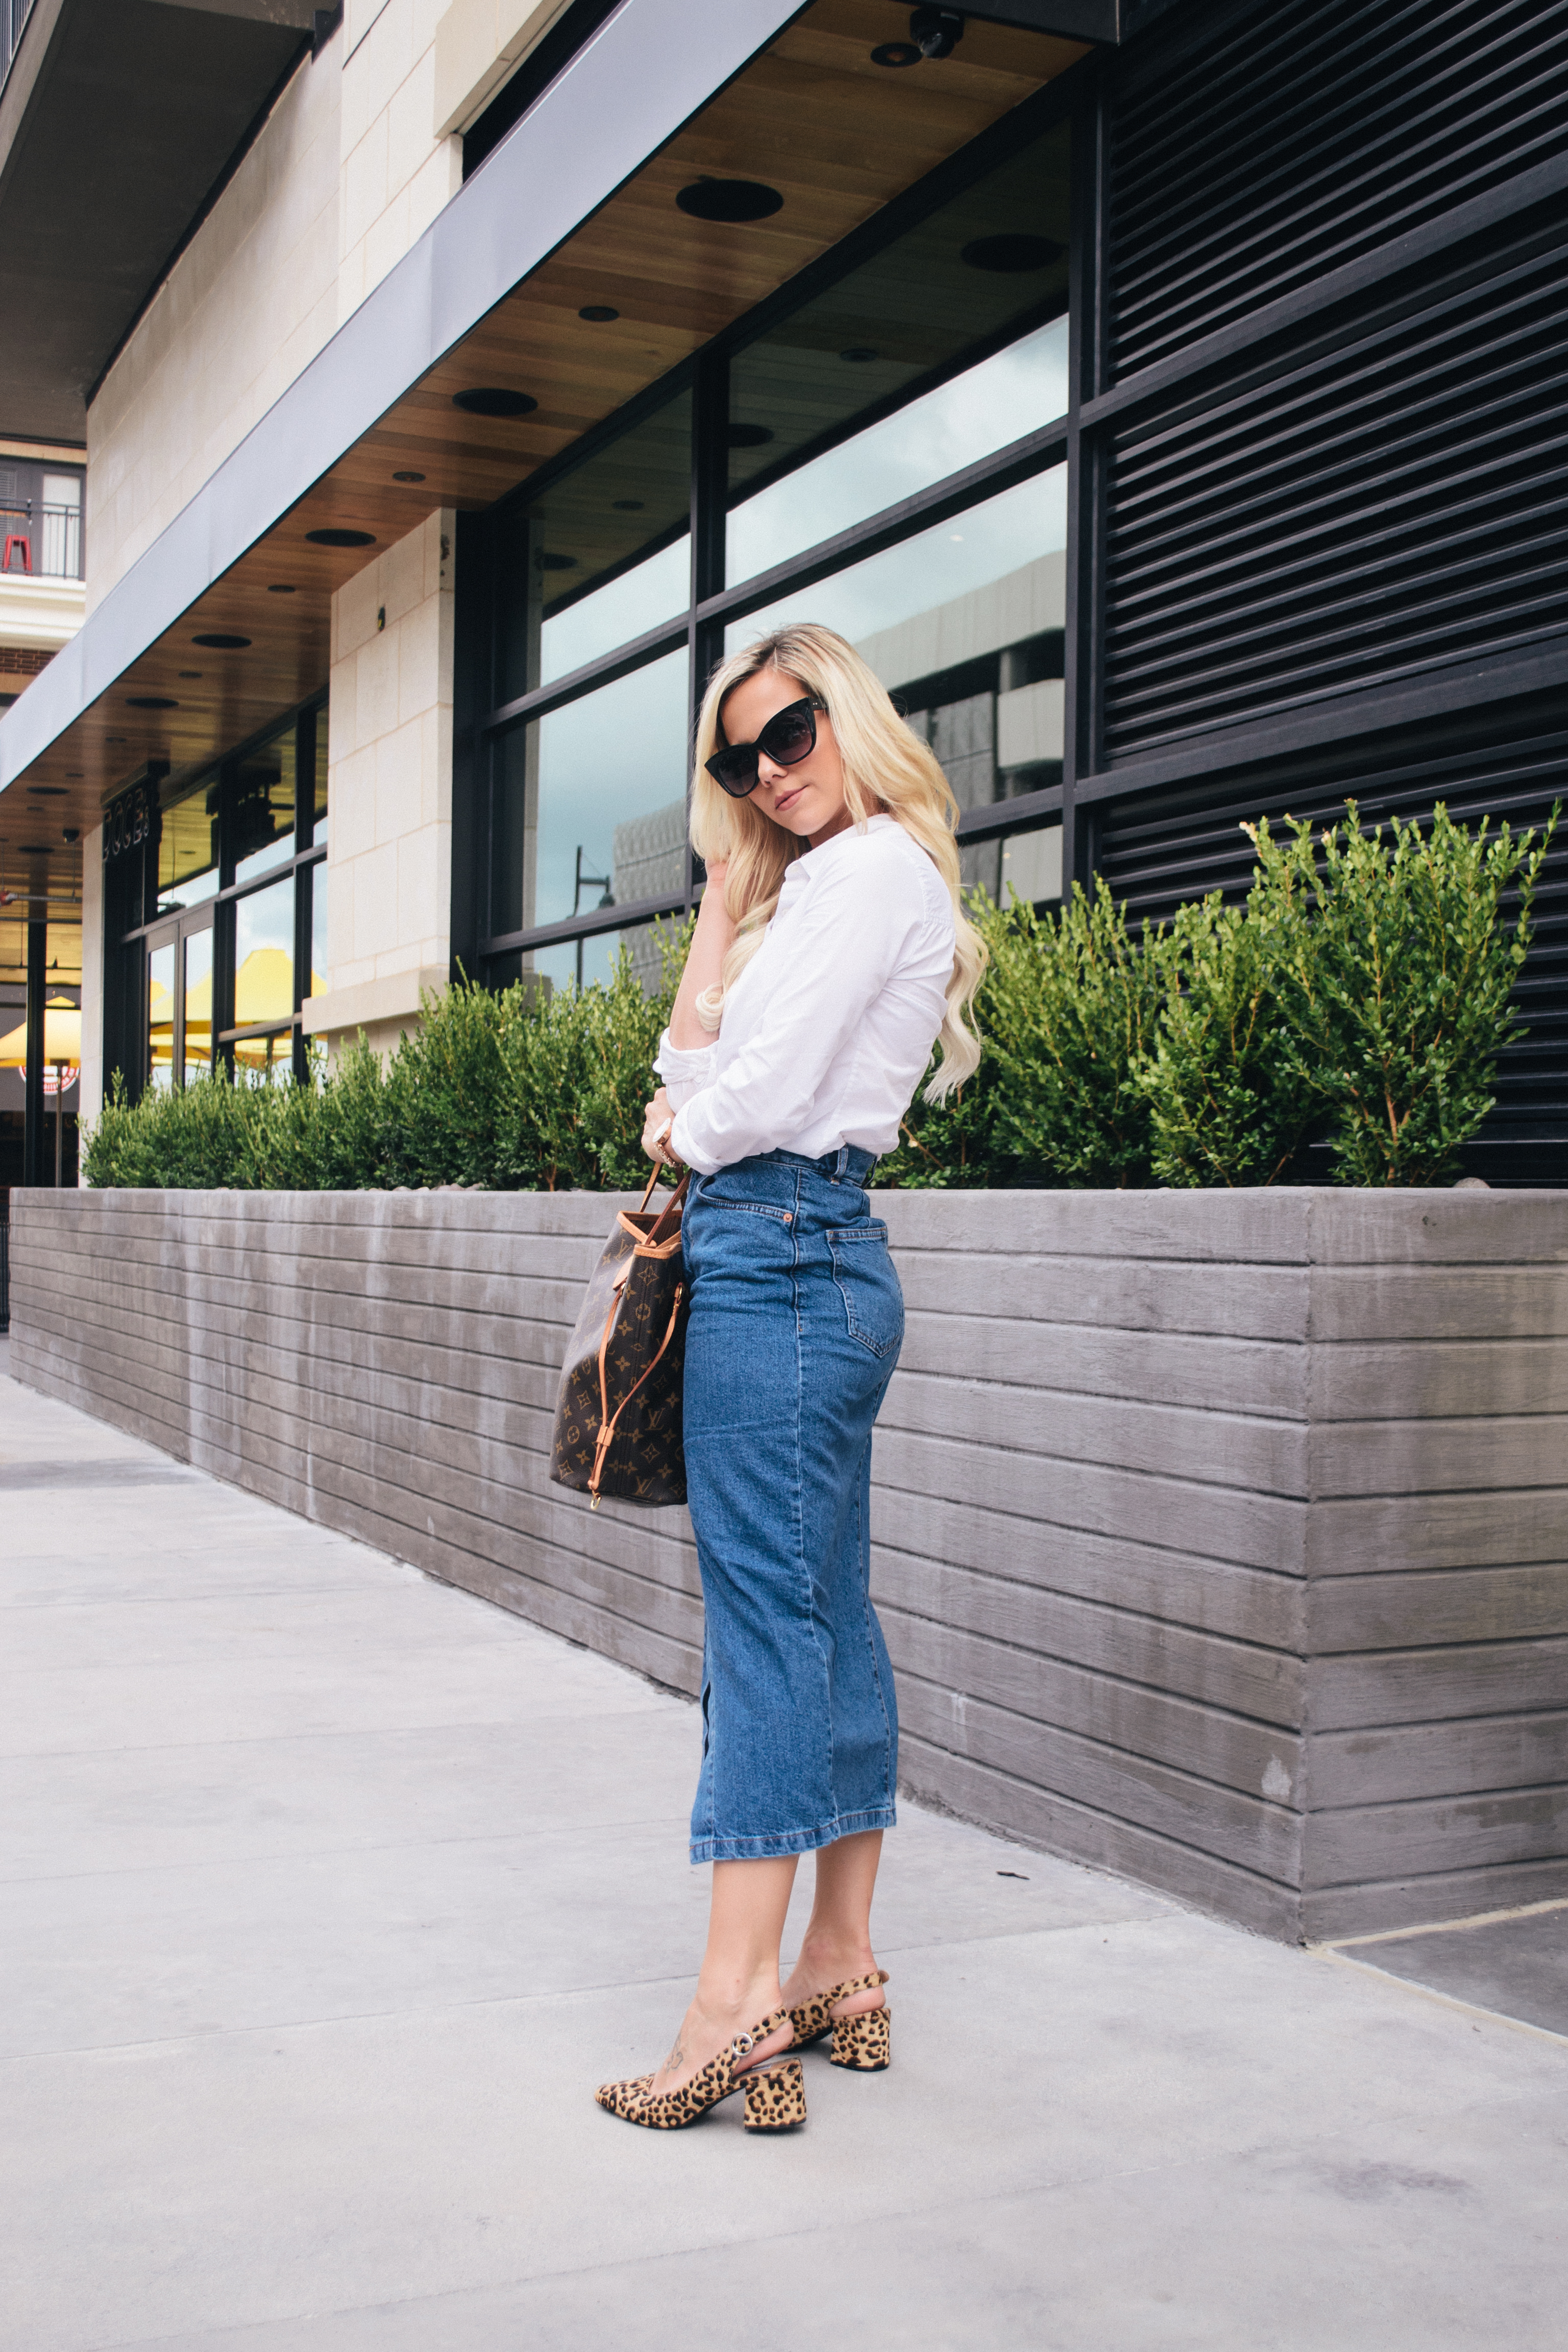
{"points": [[789, 737]]}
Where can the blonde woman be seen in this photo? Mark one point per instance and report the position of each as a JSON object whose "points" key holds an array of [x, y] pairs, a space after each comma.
{"points": [[830, 953]]}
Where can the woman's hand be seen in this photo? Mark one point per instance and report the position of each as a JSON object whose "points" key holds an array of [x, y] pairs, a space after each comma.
{"points": [[657, 1120]]}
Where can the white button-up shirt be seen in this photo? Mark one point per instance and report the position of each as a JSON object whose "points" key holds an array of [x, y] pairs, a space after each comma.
{"points": [[828, 1031]]}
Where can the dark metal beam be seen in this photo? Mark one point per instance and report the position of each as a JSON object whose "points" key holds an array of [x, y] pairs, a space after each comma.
{"points": [[32, 1124], [1109, 21]]}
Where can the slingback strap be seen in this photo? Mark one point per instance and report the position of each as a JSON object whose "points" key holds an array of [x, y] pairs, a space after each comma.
{"points": [[606, 1419], [813, 2018]]}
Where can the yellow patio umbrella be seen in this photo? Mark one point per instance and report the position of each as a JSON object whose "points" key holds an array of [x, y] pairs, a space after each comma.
{"points": [[62, 1049]]}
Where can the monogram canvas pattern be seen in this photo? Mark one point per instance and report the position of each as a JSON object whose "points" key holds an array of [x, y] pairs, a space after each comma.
{"points": [[617, 1415]]}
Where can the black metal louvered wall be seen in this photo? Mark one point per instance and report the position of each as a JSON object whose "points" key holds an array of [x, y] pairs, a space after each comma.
{"points": [[1390, 498], [1508, 766], [1259, 148], [1322, 478]]}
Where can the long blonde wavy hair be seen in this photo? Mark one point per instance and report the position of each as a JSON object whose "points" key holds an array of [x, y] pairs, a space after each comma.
{"points": [[886, 768]]}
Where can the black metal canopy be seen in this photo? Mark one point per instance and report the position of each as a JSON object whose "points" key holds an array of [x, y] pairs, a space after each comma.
{"points": [[118, 120]]}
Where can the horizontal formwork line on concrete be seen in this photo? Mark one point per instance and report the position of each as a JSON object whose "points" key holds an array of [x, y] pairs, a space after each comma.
{"points": [[1476, 1493], [1109, 1821], [158, 1319], [1182, 1734], [1509, 1792], [306, 1479], [1106, 1614], [1208, 1815], [1046, 1395], [1117, 1612], [255, 1283], [1043, 1459]]}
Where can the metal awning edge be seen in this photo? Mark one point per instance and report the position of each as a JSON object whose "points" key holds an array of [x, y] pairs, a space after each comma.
{"points": [[620, 99]]}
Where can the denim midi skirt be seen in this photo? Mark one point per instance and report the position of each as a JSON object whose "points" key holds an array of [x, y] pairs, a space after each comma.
{"points": [[796, 1321]]}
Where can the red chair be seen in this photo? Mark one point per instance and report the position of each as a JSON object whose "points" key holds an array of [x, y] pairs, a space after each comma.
{"points": [[18, 539]]}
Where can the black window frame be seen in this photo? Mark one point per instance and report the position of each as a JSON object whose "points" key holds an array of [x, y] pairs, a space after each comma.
{"points": [[482, 721], [130, 943]]}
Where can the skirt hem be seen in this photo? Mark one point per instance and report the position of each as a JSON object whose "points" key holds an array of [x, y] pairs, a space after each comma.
{"points": [[788, 1842]]}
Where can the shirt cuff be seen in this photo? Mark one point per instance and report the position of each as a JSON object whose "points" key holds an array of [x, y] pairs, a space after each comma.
{"points": [[685, 1070]]}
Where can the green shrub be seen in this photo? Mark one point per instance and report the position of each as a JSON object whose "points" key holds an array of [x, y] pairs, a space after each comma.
{"points": [[1228, 1101], [517, 1089], [1065, 1013], [1394, 981], [1362, 993]]}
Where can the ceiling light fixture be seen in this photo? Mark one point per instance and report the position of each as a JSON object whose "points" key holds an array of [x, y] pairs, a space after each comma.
{"points": [[857, 354], [896, 53], [46, 792], [628, 506], [151, 702], [749, 437], [221, 642], [408, 478], [335, 538], [494, 400], [599, 314], [730, 200], [282, 588]]}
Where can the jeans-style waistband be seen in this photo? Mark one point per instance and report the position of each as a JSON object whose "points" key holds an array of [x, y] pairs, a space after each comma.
{"points": [[847, 1164]]}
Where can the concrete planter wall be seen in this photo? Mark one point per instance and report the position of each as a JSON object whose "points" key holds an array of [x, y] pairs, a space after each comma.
{"points": [[1222, 1538]]}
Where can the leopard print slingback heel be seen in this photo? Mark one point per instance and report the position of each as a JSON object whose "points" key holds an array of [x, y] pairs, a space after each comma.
{"points": [[863, 2043], [776, 2093]]}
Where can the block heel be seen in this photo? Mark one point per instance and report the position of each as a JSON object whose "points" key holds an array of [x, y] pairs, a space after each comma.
{"points": [[775, 2097], [864, 2043]]}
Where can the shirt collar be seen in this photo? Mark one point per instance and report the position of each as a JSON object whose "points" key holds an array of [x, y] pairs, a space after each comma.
{"points": [[818, 860]]}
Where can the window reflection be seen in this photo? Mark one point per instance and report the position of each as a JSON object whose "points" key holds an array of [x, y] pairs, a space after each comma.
{"points": [[970, 417], [317, 976], [968, 639], [197, 1050], [592, 798], [270, 1057], [988, 267], [188, 851], [160, 1015], [261, 812], [264, 956], [318, 830], [602, 556], [579, 963]]}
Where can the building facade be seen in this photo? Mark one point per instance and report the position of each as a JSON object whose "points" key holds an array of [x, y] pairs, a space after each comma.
{"points": [[1165, 398]]}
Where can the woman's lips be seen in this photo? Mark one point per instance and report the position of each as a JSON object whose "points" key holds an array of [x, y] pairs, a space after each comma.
{"points": [[787, 800]]}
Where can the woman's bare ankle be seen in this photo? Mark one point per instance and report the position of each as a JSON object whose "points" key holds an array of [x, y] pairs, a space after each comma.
{"points": [[828, 1958]]}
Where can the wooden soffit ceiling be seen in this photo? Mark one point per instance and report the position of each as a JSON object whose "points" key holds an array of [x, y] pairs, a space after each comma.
{"points": [[812, 116]]}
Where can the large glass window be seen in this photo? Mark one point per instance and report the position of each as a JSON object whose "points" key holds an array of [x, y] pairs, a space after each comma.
{"points": [[238, 858], [910, 408]]}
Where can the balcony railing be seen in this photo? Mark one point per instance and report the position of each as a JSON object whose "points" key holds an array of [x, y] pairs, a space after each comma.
{"points": [[40, 540], [13, 15]]}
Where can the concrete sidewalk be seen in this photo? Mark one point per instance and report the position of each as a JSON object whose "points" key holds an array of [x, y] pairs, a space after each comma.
{"points": [[329, 1893]]}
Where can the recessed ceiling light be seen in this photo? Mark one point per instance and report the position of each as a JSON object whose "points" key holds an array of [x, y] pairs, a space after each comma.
{"points": [[749, 437], [857, 354], [151, 702], [628, 506], [896, 53], [555, 563], [335, 538], [46, 792], [282, 588], [408, 477], [599, 314], [1012, 254], [190, 673], [220, 641], [77, 773], [35, 848], [730, 200], [494, 400]]}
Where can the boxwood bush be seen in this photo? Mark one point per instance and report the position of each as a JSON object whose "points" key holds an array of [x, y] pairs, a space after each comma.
{"points": [[1358, 1000]]}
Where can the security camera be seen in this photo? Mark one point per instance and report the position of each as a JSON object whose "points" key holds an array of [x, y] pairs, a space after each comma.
{"points": [[936, 32], [71, 833]]}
